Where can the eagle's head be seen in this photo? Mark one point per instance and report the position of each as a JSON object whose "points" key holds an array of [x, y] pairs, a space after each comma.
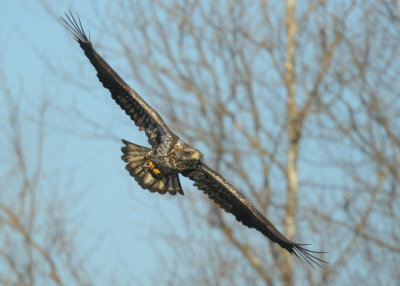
{"points": [[181, 156], [191, 155], [187, 156]]}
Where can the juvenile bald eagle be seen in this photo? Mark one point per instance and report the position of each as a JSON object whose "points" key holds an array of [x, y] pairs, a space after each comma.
{"points": [[157, 169]]}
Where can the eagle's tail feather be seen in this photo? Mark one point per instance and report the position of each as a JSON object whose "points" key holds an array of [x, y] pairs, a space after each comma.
{"points": [[145, 172]]}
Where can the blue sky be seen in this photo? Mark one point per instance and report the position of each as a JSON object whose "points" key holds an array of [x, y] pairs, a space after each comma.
{"points": [[116, 218], [115, 215]]}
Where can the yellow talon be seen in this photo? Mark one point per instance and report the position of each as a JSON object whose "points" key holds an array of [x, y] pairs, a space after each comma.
{"points": [[151, 165], [152, 168]]}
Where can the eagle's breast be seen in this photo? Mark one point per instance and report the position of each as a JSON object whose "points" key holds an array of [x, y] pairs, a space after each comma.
{"points": [[169, 156], [165, 156]]}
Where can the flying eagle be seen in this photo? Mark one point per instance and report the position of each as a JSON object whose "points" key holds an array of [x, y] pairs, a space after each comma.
{"points": [[157, 168]]}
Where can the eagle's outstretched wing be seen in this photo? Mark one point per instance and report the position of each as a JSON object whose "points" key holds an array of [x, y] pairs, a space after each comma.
{"points": [[139, 111], [228, 198]]}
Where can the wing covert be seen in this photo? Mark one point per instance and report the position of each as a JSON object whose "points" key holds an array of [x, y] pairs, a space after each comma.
{"points": [[145, 117]]}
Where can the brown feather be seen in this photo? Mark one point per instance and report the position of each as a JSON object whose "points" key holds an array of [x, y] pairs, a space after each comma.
{"points": [[145, 117], [232, 201], [138, 167]]}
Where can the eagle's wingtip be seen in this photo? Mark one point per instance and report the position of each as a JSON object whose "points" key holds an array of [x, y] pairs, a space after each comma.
{"points": [[74, 26], [300, 252]]}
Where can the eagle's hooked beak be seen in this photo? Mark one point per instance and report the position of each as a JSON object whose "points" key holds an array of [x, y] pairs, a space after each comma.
{"points": [[196, 155]]}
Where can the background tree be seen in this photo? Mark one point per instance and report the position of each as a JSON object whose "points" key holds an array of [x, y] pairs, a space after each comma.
{"points": [[295, 102], [38, 233]]}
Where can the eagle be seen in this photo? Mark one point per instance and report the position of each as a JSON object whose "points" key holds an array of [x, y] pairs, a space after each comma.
{"points": [[157, 168]]}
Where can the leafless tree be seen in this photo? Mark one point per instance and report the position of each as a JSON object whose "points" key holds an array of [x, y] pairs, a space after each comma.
{"points": [[37, 242], [296, 103]]}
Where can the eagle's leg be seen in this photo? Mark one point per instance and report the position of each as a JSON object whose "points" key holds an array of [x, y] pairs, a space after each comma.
{"points": [[142, 168]]}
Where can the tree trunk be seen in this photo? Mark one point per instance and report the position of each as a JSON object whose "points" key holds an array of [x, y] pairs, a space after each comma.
{"points": [[293, 136]]}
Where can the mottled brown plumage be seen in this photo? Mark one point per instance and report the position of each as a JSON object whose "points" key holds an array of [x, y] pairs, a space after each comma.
{"points": [[157, 169]]}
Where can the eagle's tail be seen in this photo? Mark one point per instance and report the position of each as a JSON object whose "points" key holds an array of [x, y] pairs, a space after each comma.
{"points": [[146, 173]]}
